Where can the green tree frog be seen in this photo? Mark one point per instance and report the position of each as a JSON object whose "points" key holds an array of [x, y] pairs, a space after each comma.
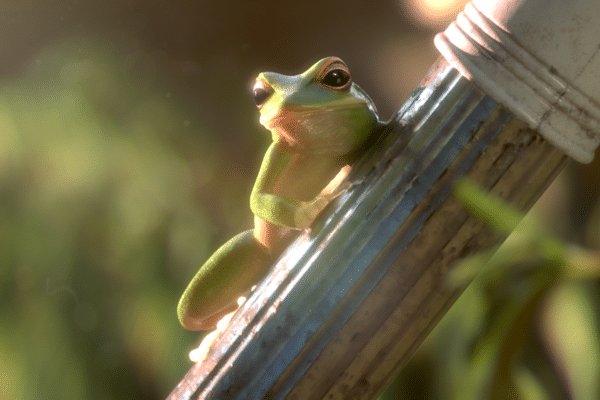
{"points": [[319, 122]]}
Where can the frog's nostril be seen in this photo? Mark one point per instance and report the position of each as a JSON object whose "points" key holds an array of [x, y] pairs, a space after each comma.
{"points": [[261, 95]]}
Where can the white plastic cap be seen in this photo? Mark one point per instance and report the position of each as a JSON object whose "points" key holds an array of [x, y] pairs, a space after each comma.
{"points": [[540, 59]]}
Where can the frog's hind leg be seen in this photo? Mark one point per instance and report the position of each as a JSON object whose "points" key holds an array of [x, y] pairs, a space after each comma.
{"points": [[228, 274]]}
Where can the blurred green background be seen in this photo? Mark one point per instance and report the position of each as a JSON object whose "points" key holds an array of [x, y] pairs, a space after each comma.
{"points": [[128, 147]]}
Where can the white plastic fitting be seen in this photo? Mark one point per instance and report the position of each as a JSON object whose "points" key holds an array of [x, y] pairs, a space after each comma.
{"points": [[538, 58]]}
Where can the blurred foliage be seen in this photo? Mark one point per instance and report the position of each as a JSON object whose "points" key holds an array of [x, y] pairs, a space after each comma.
{"points": [[527, 327], [102, 185]]}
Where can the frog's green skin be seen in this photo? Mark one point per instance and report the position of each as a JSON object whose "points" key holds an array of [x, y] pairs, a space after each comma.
{"points": [[319, 121]]}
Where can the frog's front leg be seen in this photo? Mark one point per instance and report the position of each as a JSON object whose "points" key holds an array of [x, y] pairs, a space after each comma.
{"points": [[292, 188], [289, 212]]}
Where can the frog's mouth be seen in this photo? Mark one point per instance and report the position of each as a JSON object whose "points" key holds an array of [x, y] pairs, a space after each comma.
{"points": [[291, 114], [318, 128], [282, 114]]}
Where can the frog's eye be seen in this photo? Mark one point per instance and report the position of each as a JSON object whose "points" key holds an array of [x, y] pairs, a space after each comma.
{"points": [[336, 77], [261, 93]]}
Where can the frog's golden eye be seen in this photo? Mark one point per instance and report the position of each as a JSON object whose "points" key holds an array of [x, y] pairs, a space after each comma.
{"points": [[336, 77]]}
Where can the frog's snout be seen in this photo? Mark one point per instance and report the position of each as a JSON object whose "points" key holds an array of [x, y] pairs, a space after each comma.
{"points": [[261, 92]]}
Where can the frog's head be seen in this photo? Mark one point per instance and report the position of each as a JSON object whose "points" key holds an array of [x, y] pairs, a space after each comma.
{"points": [[321, 110]]}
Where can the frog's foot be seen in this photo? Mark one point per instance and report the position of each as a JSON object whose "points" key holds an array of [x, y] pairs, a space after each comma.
{"points": [[339, 190], [199, 353], [337, 185], [306, 214]]}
